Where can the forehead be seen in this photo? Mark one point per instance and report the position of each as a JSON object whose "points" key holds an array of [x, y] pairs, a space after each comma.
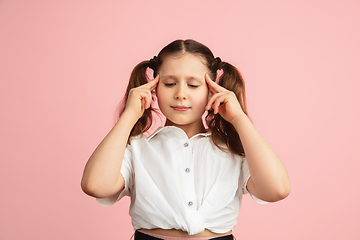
{"points": [[186, 64]]}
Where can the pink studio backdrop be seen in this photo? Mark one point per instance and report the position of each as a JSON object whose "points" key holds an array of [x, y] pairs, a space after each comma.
{"points": [[64, 66]]}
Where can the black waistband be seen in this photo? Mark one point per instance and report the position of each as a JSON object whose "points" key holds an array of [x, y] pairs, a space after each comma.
{"points": [[143, 236]]}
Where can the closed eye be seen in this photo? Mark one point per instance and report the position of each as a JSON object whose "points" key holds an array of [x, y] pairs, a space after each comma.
{"points": [[193, 86], [169, 84]]}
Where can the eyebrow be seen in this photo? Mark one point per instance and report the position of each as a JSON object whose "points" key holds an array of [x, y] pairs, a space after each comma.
{"points": [[169, 76], [187, 78]]}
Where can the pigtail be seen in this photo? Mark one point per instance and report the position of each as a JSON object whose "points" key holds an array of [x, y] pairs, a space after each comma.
{"points": [[222, 130], [138, 77]]}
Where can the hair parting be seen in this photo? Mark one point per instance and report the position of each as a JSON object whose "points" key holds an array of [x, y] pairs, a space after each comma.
{"points": [[223, 132]]}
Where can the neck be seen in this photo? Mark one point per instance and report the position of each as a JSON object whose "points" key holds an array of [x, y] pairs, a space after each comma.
{"points": [[190, 129]]}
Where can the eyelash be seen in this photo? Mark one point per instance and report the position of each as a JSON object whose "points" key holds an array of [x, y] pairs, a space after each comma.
{"points": [[173, 84]]}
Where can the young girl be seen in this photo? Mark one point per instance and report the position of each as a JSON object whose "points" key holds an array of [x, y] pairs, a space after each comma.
{"points": [[187, 179]]}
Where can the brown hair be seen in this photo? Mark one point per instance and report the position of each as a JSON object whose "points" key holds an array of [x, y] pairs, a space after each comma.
{"points": [[231, 79]]}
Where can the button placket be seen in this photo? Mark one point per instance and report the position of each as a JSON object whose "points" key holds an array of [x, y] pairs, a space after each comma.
{"points": [[188, 178], [186, 144]]}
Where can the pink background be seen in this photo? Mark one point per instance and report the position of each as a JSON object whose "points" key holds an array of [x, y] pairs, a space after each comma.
{"points": [[64, 66]]}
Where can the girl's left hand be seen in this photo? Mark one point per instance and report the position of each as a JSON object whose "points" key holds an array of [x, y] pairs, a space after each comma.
{"points": [[223, 101]]}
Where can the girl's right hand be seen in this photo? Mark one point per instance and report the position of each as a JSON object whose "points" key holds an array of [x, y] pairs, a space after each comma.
{"points": [[140, 98]]}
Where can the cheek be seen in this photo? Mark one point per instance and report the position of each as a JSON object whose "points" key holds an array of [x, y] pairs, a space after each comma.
{"points": [[161, 96], [202, 100]]}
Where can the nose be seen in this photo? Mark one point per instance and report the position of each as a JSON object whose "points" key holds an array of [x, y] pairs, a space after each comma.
{"points": [[180, 92]]}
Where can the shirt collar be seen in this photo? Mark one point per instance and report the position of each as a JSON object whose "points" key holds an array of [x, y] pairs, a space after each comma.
{"points": [[206, 134]]}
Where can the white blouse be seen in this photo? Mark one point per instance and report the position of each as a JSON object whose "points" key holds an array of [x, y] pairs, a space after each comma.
{"points": [[181, 183]]}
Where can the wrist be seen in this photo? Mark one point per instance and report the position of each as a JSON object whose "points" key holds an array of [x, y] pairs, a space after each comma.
{"points": [[239, 118], [128, 117]]}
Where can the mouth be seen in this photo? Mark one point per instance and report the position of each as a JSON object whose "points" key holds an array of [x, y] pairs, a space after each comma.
{"points": [[180, 108]]}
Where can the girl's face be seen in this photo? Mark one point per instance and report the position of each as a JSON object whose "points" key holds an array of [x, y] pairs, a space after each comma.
{"points": [[182, 92]]}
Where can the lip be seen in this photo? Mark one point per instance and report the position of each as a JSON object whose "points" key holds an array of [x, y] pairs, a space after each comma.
{"points": [[180, 108]]}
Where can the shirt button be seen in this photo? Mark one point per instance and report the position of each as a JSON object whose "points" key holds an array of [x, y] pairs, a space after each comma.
{"points": [[187, 170], [190, 203], [186, 144]]}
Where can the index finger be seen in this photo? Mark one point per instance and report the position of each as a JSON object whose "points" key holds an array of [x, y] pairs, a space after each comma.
{"points": [[213, 86], [151, 85]]}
